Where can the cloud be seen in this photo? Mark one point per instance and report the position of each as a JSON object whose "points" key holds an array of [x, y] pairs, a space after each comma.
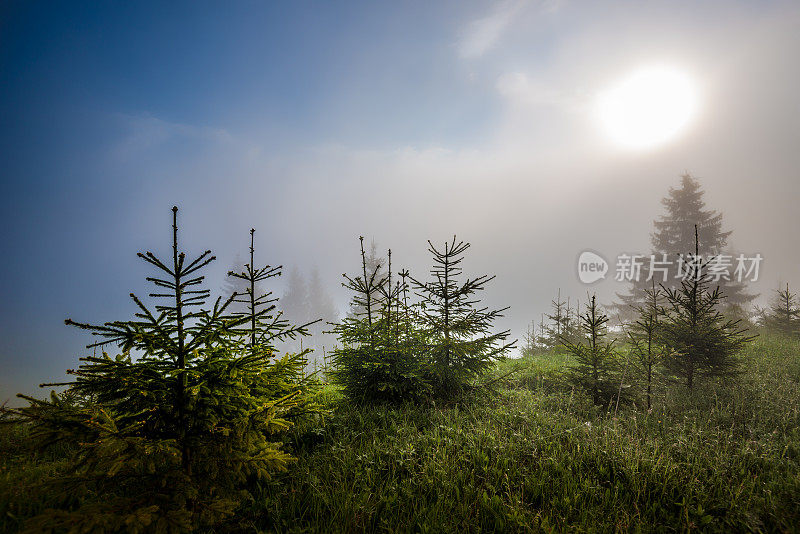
{"points": [[145, 132], [483, 33], [519, 88]]}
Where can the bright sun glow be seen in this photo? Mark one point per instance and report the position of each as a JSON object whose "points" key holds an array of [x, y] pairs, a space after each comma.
{"points": [[648, 108]]}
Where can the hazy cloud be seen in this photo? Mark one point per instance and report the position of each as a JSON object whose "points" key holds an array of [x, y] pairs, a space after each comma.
{"points": [[519, 89], [145, 131], [482, 34]]}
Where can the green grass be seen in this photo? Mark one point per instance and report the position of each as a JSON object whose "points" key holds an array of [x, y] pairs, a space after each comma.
{"points": [[22, 470], [537, 457]]}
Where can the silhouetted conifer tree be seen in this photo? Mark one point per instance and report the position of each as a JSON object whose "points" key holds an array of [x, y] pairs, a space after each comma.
{"points": [[231, 285], [250, 278], [264, 329]]}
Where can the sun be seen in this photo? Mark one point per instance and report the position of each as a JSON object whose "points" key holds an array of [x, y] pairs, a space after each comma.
{"points": [[648, 108]]}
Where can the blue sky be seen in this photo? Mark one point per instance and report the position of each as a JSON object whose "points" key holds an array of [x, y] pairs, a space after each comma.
{"points": [[318, 122]]}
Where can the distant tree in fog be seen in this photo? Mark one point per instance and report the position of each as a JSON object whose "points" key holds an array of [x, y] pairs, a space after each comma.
{"points": [[675, 231], [321, 306], [674, 236], [558, 316], [319, 300], [564, 322], [530, 342], [295, 303], [308, 300]]}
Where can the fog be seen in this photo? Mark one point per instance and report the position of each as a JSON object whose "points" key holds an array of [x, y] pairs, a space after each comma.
{"points": [[472, 119]]}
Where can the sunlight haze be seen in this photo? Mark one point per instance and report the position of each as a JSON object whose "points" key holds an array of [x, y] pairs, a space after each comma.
{"points": [[648, 108]]}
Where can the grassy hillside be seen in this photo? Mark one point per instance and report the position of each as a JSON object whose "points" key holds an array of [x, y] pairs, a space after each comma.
{"points": [[537, 457]]}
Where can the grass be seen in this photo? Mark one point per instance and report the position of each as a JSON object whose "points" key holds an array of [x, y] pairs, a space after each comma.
{"points": [[536, 457]]}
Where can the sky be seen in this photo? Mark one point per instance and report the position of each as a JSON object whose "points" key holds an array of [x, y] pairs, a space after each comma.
{"points": [[315, 123]]}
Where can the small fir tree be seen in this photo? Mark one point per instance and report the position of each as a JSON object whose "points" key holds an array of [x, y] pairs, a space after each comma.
{"points": [[783, 316], [412, 338], [595, 369], [375, 361], [459, 344], [558, 317], [702, 342], [530, 341], [264, 328], [374, 263], [249, 281], [402, 356], [166, 441], [643, 334]]}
